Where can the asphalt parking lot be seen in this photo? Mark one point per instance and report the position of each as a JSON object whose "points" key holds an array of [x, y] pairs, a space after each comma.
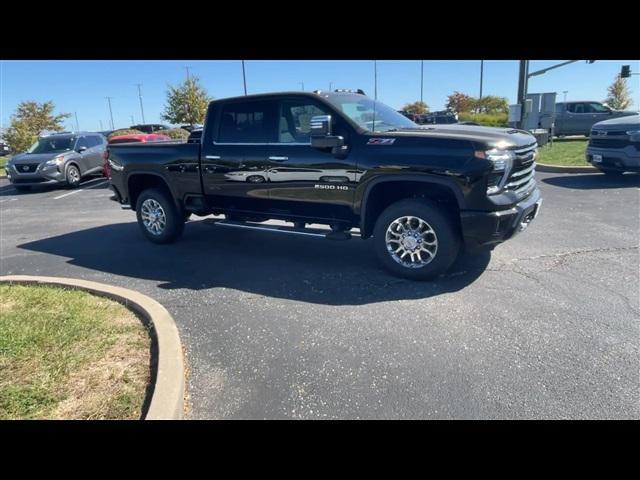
{"points": [[276, 326]]}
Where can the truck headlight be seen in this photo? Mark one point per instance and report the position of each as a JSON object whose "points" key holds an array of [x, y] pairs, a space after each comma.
{"points": [[502, 161], [634, 134], [53, 162]]}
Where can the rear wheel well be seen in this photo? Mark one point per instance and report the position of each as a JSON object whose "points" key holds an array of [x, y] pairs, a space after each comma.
{"points": [[137, 184], [386, 193]]}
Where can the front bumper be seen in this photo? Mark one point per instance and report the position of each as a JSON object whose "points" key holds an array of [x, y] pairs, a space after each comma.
{"points": [[49, 175], [621, 159], [488, 229]]}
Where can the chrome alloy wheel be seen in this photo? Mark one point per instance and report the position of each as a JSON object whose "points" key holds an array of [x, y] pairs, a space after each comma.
{"points": [[74, 175], [411, 242], [153, 216]]}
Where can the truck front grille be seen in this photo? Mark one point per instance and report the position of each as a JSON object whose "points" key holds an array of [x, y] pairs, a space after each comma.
{"points": [[609, 142], [521, 179]]}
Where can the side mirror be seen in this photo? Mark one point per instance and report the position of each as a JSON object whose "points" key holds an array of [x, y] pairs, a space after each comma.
{"points": [[81, 149], [321, 133]]}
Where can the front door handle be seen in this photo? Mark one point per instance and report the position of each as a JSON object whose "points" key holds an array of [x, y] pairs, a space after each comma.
{"points": [[279, 159]]}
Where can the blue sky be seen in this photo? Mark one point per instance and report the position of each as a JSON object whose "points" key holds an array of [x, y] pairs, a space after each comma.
{"points": [[81, 86]]}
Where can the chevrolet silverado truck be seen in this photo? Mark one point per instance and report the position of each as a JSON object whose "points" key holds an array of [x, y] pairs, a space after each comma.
{"points": [[339, 159]]}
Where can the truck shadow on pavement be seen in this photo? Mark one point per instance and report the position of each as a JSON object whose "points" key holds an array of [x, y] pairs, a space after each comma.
{"points": [[311, 270], [594, 181]]}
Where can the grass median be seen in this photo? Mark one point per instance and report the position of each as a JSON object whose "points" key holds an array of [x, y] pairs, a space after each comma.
{"points": [[67, 354], [564, 151]]}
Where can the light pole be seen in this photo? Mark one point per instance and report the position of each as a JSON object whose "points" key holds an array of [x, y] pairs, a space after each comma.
{"points": [[77, 124], [244, 78], [110, 112], [523, 82], [421, 79], [565, 95], [375, 79], [330, 85], [302, 83], [140, 98], [481, 75]]}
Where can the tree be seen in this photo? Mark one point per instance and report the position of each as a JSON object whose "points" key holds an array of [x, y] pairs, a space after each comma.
{"points": [[30, 119], [618, 97], [459, 102], [491, 104], [416, 107], [186, 103]]}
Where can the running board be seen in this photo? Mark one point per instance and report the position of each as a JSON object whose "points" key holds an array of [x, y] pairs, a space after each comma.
{"points": [[309, 232]]}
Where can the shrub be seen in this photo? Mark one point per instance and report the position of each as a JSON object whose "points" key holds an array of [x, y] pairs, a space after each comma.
{"points": [[124, 131], [174, 133], [486, 119]]}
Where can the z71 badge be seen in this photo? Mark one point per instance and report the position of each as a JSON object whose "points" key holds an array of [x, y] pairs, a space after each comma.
{"points": [[381, 141]]}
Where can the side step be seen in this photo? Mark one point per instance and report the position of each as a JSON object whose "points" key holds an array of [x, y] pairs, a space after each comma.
{"points": [[309, 232]]}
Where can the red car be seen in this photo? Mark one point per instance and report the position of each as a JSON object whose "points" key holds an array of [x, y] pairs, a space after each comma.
{"points": [[131, 138]]}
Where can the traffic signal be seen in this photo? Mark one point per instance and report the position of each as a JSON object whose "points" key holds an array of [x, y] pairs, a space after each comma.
{"points": [[625, 72]]}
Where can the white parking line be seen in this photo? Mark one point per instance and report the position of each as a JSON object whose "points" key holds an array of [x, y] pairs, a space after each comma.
{"points": [[8, 200], [83, 189]]}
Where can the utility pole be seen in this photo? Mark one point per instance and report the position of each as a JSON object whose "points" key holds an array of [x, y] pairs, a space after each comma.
{"points": [[140, 98], [110, 112], [77, 124], [330, 85], [522, 78], [421, 79], [481, 75], [302, 83], [375, 79], [187, 69], [244, 79]]}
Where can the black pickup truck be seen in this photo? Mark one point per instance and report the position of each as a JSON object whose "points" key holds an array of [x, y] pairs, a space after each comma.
{"points": [[339, 159]]}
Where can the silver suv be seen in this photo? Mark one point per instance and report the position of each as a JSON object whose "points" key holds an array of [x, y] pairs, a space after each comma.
{"points": [[61, 158]]}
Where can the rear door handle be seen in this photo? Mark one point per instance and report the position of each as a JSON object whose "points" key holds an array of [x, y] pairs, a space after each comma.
{"points": [[279, 159]]}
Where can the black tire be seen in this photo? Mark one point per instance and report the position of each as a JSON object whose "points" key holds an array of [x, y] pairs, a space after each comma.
{"points": [[73, 176], [612, 173], [448, 239], [174, 220], [22, 188]]}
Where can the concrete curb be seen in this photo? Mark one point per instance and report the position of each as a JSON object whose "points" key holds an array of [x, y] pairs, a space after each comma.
{"points": [[541, 167], [167, 400]]}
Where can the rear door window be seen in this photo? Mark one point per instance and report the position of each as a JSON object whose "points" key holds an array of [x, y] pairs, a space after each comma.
{"points": [[248, 122]]}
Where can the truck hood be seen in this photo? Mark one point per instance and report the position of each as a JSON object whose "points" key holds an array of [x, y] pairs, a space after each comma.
{"points": [[35, 157], [629, 122], [489, 136]]}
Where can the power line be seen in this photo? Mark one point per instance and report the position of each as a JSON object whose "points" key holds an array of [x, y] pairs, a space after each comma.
{"points": [[110, 112], [140, 98]]}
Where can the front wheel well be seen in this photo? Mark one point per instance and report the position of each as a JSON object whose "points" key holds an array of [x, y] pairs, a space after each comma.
{"points": [[384, 194]]}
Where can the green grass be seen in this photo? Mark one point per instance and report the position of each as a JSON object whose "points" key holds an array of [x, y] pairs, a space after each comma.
{"points": [[564, 151], [3, 162], [69, 354]]}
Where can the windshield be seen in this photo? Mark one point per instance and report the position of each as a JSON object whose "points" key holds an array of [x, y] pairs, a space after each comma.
{"points": [[52, 145], [370, 114]]}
